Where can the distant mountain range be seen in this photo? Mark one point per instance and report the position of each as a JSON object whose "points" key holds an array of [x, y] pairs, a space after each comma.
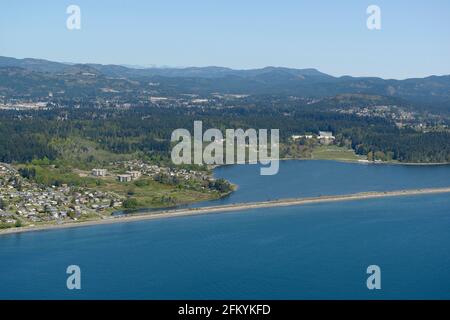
{"points": [[40, 65], [16, 74]]}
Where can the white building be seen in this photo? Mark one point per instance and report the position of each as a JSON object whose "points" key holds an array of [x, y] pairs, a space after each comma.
{"points": [[99, 172], [134, 174], [305, 136], [124, 177], [326, 137]]}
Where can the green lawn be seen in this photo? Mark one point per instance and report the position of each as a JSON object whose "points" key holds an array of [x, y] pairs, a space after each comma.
{"points": [[333, 152]]}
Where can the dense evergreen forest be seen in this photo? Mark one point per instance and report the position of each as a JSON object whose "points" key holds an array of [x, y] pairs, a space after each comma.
{"points": [[28, 135]]}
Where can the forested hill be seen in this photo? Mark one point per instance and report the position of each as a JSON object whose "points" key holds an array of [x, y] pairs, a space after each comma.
{"points": [[35, 78]]}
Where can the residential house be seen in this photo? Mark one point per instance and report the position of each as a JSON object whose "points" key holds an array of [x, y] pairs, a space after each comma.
{"points": [[134, 174], [99, 172], [124, 177]]}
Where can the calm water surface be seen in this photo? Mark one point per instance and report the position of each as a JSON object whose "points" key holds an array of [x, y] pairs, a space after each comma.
{"points": [[303, 252]]}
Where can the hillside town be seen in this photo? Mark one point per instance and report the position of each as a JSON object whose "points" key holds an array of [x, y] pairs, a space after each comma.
{"points": [[136, 168], [22, 201], [401, 117]]}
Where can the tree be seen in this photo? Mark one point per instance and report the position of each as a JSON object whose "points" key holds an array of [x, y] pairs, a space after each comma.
{"points": [[18, 223], [130, 203], [221, 185]]}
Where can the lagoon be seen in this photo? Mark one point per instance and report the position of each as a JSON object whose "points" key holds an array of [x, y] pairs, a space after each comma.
{"points": [[313, 178]]}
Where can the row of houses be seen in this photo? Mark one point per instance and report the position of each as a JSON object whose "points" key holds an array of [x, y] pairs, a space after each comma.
{"points": [[136, 168]]}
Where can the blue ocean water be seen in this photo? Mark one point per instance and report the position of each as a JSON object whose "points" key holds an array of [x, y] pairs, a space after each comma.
{"points": [[303, 252]]}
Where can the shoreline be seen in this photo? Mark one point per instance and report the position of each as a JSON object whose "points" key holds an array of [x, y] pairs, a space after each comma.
{"points": [[230, 208], [357, 161], [361, 161]]}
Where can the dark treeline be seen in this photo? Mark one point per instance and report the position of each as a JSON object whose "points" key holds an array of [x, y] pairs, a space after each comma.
{"points": [[405, 146], [25, 136]]}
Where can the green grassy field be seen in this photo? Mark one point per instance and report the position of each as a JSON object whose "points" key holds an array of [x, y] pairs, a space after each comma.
{"points": [[333, 152], [153, 194]]}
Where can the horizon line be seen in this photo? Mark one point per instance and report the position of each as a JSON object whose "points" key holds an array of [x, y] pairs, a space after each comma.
{"points": [[156, 66]]}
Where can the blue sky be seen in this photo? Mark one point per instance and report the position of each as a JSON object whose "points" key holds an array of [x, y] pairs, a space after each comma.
{"points": [[329, 35]]}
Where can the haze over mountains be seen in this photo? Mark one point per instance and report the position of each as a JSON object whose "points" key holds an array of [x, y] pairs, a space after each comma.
{"points": [[40, 65], [37, 76]]}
